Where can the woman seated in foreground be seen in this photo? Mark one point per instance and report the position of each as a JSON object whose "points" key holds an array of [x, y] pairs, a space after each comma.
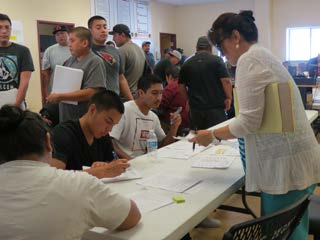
{"points": [[41, 202]]}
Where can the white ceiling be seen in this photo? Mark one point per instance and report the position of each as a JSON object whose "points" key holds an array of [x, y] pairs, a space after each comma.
{"points": [[184, 2]]}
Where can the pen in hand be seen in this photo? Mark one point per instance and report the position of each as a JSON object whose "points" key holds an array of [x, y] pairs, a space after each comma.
{"points": [[194, 143]]}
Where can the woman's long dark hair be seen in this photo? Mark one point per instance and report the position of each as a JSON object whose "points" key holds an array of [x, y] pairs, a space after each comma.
{"points": [[21, 133], [223, 26]]}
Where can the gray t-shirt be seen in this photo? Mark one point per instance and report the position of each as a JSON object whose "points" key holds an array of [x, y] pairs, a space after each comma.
{"points": [[111, 59], [133, 60], [94, 76], [54, 55]]}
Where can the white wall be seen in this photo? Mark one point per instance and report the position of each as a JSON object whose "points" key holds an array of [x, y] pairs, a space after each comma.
{"points": [[262, 13], [194, 21], [163, 18], [188, 22], [28, 12], [291, 13], [71, 11]]}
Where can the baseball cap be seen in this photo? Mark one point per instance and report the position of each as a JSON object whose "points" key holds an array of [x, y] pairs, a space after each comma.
{"points": [[176, 54], [121, 28], [145, 42], [60, 28], [203, 43]]}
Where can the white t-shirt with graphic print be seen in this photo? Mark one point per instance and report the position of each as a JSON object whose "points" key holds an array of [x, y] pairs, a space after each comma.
{"points": [[132, 130]]}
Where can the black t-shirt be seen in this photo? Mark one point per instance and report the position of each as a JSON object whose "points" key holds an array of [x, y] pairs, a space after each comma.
{"points": [[13, 60], [71, 147], [202, 75], [160, 68]]}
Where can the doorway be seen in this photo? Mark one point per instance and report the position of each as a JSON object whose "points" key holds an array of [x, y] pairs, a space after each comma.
{"points": [[46, 38], [167, 40]]}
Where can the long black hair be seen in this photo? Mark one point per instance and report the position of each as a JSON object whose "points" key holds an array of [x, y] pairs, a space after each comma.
{"points": [[21, 133], [223, 26]]}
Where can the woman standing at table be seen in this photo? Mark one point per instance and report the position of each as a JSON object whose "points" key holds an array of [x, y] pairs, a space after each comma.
{"points": [[283, 166]]}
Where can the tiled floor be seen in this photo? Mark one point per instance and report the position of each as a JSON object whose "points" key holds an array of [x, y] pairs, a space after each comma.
{"points": [[229, 218]]}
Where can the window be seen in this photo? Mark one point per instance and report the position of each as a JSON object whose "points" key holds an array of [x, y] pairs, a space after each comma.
{"points": [[303, 43]]}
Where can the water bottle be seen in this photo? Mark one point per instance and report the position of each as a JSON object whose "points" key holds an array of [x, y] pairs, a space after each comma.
{"points": [[152, 145]]}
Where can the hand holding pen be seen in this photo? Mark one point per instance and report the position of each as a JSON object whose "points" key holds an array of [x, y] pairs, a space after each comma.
{"points": [[203, 138], [194, 143]]}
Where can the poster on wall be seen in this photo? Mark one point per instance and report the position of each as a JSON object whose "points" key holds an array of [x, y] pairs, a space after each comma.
{"points": [[17, 32], [124, 13], [103, 8], [142, 17]]}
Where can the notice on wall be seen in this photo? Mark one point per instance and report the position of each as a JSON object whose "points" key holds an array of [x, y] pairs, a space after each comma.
{"points": [[142, 13], [17, 32], [124, 12]]}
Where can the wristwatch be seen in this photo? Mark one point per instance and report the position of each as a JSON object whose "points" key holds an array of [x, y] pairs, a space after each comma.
{"points": [[215, 140]]}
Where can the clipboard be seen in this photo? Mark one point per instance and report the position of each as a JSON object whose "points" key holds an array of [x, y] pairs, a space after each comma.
{"points": [[278, 115]]}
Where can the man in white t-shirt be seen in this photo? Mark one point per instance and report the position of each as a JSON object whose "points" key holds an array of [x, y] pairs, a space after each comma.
{"points": [[54, 55], [131, 132]]}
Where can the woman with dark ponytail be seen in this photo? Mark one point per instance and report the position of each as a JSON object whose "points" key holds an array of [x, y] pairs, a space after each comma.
{"points": [[283, 166], [23, 135], [41, 202]]}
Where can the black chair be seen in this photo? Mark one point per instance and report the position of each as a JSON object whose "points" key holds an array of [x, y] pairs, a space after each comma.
{"points": [[314, 216], [276, 226]]}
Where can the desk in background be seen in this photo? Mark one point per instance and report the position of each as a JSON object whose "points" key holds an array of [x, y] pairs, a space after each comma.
{"points": [[306, 86]]}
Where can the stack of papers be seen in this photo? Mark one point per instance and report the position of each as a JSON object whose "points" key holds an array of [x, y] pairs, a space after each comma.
{"points": [[66, 79], [169, 183], [220, 156], [148, 201], [129, 174], [180, 150], [212, 161]]}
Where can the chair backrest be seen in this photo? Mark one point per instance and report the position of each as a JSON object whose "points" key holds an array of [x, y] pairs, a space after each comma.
{"points": [[276, 226]]}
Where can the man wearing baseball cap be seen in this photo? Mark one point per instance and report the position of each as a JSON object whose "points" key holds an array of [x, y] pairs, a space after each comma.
{"points": [[132, 56], [209, 87], [54, 55], [166, 63], [148, 54]]}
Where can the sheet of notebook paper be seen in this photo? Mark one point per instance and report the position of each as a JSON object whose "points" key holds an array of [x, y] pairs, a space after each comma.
{"points": [[220, 156], [148, 201], [169, 182], [180, 150]]}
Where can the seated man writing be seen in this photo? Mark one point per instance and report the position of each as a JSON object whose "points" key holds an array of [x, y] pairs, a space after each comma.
{"points": [[85, 142], [131, 133]]}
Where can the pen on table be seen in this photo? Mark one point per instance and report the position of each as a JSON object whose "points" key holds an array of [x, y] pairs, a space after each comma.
{"points": [[194, 143], [176, 112], [115, 156]]}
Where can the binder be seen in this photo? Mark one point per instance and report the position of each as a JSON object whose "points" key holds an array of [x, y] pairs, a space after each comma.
{"points": [[278, 115]]}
